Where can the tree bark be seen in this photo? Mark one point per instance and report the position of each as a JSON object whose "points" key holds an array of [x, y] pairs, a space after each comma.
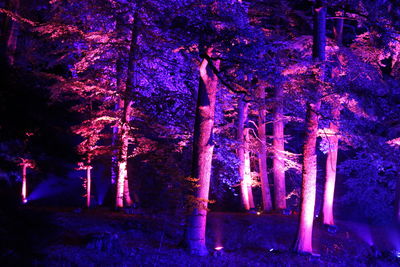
{"points": [[247, 168], [124, 135], [244, 156], [331, 162], [203, 146], [23, 190], [309, 174], [262, 154], [333, 141], [13, 32], [279, 156], [88, 185]]}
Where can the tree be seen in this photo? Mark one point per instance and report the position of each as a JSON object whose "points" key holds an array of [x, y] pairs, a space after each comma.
{"points": [[262, 153], [244, 155], [203, 146], [309, 174]]}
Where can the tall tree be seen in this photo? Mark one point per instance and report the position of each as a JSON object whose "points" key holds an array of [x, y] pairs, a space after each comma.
{"points": [[309, 173], [262, 153], [332, 136], [203, 146], [244, 155], [278, 150]]}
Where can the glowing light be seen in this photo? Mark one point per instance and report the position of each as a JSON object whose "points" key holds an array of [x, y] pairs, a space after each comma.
{"points": [[258, 213], [271, 249], [218, 248], [24, 201]]}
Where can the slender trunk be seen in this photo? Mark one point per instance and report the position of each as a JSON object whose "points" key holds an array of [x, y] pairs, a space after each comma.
{"points": [[333, 141], [338, 29], [309, 174], [123, 160], [262, 154], [114, 156], [244, 176], [12, 39], [124, 135], [203, 146], [247, 169], [127, 195], [88, 185], [23, 191], [279, 156], [331, 162]]}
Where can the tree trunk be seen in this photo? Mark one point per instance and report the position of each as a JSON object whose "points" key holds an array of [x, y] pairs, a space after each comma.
{"points": [[203, 146], [279, 156], [243, 155], [23, 191], [331, 162], [124, 135], [127, 194], [338, 29], [247, 168], [88, 185], [262, 154], [13, 33], [309, 174], [333, 141]]}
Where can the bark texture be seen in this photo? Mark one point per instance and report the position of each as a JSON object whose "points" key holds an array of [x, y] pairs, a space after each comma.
{"points": [[124, 135], [244, 156], [331, 162], [88, 185], [23, 190], [279, 156], [203, 146], [262, 154], [309, 174]]}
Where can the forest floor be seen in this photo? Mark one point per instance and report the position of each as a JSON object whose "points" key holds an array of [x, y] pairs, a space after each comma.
{"points": [[36, 236]]}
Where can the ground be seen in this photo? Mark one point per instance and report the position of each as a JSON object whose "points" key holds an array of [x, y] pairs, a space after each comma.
{"points": [[38, 236]]}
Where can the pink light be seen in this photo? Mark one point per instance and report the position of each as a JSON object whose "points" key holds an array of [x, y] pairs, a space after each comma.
{"points": [[218, 248], [24, 201]]}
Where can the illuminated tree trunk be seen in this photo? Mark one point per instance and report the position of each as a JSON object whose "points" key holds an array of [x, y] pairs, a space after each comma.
{"points": [[114, 156], [124, 135], [331, 162], [88, 185], [13, 30], [279, 156], [203, 146], [333, 141], [244, 157], [309, 174], [247, 169], [23, 191], [262, 154]]}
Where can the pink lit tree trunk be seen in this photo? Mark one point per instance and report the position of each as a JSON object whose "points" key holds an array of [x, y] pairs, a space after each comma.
{"points": [[244, 156], [25, 164], [279, 157], [309, 174], [23, 191], [203, 146], [88, 185], [333, 141], [247, 168], [331, 162], [262, 153], [12, 39], [124, 128]]}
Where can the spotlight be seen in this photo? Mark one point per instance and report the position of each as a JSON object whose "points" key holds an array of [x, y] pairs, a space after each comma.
{"points": [[258, 213], [218, 251], [24, 201]]}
